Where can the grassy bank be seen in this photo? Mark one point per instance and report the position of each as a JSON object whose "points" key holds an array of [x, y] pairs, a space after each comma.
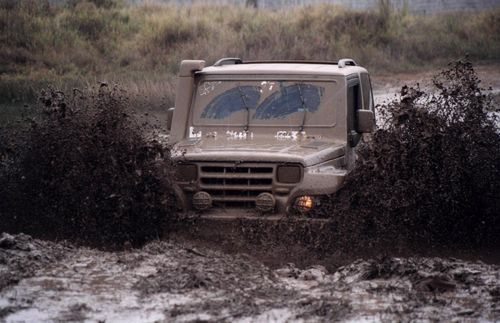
{"points": [[83, 43]]}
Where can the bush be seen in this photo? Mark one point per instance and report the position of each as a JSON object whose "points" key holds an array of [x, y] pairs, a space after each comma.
{"points": [[431, 173], [85, 171]]}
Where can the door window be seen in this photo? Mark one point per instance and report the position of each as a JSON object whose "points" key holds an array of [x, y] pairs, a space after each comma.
{"points": [[354, 100], [367, 91]]}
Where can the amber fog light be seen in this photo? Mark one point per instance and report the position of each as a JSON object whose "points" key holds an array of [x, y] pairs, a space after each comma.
{"points": [[186, 172], [304, 203], [289, 174]]}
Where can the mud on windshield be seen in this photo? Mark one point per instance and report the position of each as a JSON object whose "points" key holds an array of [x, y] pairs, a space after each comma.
{"points": [[245, 103]]}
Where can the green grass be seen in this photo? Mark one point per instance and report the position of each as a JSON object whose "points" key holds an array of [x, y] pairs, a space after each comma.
{"points": [[140, 47]]}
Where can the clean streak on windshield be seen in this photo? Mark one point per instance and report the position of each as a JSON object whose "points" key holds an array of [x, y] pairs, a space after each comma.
{"points": [[230, 101]]}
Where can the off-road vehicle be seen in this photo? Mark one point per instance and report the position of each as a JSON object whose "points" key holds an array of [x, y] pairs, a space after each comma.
{"points": [[271, 136]]}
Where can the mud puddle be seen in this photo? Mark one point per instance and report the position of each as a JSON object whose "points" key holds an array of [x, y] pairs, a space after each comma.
{"points": [[171, 281]]}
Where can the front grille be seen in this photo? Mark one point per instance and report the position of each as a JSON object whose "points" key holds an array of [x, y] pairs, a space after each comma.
{"points": [[236, 185]]}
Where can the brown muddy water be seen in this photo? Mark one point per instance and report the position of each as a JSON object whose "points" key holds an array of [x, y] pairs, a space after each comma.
{"points": [[414, 236]]}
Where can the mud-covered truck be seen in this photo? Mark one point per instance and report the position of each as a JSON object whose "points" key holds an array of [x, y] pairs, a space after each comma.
{"points": [[272, 136]]}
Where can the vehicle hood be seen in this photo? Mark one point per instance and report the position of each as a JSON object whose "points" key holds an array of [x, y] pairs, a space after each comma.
{"points": [[307, 151]]}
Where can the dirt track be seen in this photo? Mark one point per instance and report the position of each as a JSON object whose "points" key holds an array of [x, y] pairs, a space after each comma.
{"points": [[166, 281]]}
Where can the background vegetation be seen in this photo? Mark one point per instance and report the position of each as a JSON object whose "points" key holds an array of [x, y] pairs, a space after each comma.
{"points": [[84, 42]]}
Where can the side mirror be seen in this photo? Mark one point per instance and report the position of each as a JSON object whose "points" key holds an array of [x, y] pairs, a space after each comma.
{"points": [[170, 116], [365, 122]]}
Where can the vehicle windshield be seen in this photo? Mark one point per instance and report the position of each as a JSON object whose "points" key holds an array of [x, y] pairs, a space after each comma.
{"points": [[265, 103]]}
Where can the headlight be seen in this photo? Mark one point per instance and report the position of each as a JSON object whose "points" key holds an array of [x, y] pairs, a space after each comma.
{"points": [[186, 172], [289, 174], [304, 203]]}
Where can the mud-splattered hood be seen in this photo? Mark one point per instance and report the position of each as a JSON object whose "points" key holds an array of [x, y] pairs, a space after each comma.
{"points": [[307, 151]]}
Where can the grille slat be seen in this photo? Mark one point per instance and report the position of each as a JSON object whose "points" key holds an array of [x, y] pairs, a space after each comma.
{"points": [[236, 187], [232, 199], [234, 175], [239, 182]]}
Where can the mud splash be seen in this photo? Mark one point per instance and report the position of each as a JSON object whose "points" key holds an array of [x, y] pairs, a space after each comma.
{"points": [[83, 169], [430, 176]]}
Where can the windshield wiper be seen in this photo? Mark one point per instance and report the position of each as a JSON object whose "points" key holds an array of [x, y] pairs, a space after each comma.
{"points": [[243, 96], [304, 107]]}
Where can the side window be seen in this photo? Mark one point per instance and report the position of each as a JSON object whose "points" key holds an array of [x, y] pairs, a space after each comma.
{"points": [[354, 100], [367, 91]]}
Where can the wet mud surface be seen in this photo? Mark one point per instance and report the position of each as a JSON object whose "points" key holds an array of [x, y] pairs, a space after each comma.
{"points": [[173, 281], [21, 256]]}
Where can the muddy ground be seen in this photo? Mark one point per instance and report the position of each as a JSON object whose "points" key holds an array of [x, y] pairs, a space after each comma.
{"points": [[172, 281]]}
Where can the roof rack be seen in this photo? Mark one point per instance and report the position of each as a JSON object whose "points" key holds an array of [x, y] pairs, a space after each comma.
{"points": [[290, 61], [234, 61], [228, 61]]}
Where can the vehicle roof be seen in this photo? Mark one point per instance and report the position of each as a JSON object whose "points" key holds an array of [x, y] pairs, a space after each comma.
{"points": [[282, 68]]}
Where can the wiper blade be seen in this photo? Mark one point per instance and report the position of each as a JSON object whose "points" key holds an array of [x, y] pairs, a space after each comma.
{"points": [[243, 96], [304, 107]]}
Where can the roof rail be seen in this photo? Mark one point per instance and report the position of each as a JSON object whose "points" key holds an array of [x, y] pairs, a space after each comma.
{"points": [[234, 61], [290, 61], [228, 61], [346, 62]]}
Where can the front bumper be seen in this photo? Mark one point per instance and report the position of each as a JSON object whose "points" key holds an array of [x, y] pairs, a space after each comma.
{"points": [[238, 185]]}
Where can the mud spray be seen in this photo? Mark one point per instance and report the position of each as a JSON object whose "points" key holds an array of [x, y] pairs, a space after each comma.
{"points": [[430, 176], [82, 169]]}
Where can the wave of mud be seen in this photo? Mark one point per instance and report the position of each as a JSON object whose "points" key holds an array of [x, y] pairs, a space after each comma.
{"points": [[82, 169], [430, 175]]}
